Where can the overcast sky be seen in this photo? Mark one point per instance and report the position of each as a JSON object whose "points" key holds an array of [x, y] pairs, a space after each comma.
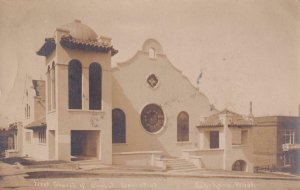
{"points": [[248, 49]]}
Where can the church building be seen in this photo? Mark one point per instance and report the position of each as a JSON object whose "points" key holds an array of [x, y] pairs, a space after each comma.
{"points": [[144, 111]]}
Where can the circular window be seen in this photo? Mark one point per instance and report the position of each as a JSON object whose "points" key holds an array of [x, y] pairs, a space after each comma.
{"points": [[152, 118]]}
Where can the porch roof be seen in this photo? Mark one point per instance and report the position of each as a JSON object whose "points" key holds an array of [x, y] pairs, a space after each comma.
{"points": [[37, 124], [234, 119]]}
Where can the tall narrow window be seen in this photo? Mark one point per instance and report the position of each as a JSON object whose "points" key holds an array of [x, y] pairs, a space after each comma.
{"points": [[95, 86], [214, 139], [53, 87], [27, 109], [118, 126], [48, 89], [75, 84], [183, 126]]}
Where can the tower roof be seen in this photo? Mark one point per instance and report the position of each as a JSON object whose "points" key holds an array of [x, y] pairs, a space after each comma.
{"points": [[80, 31], [78, 36]]}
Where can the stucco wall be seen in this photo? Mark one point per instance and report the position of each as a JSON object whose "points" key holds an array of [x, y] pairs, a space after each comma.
{"points": [[174, 93], [62, 119]]}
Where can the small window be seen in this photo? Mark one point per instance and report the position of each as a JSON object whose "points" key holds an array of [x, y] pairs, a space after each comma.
{"points": [[289, 136], [214, 139], [152, 53], [42, 136]]}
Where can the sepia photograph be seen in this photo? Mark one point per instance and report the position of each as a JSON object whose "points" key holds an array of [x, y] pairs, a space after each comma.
{"points": [[150, 94]]}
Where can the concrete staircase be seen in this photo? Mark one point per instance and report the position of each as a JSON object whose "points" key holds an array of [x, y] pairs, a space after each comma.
{"points": [[180, 164], [90, 164]]}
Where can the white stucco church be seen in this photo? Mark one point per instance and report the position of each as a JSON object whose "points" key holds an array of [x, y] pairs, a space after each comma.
{"points": [[141, 112]]}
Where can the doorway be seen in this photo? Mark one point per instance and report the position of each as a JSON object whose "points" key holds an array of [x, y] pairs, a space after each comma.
{"points": [[84, 145]]}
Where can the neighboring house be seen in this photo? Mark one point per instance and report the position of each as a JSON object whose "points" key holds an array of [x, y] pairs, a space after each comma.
{"points": [[6, 141], [277, 143], [142, 112], [34, 132], [10, 140]]}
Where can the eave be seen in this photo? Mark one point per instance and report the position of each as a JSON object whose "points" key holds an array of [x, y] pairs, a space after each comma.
{"points": [[71, 43], [47, 48]]}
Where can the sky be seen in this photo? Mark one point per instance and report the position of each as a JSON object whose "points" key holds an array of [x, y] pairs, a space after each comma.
{"points": [[248, 50]]}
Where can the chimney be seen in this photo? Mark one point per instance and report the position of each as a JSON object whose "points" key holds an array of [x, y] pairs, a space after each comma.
{"points": [[251, 114]]}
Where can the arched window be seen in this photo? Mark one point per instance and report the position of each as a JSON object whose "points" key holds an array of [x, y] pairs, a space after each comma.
{"points": [[183, 126], [48, 89], [118, 126], [95, 86], [53, 102], [75, 84]]}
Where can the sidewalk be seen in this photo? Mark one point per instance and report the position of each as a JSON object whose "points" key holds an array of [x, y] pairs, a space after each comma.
{"points": [[11, 173]]}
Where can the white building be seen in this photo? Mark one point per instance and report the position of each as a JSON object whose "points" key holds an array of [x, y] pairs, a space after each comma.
{"points": [[142, 112]]}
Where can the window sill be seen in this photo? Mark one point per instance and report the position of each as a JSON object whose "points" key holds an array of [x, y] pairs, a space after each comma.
{"points": [[51, 111], [81, 110], [184, 142], [239, 145], [119, 144]]}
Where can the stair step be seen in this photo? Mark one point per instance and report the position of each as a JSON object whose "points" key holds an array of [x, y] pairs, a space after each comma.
{"points": [[186, 170], [189, 166], [180, 164], [175, 164], [91, 167]]}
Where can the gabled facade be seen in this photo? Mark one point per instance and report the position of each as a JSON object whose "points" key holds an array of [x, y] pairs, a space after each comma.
{"points": [[160, 105]]}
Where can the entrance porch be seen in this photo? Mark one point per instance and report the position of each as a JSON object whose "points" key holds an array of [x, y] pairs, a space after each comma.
{"points": [[85, 145]]}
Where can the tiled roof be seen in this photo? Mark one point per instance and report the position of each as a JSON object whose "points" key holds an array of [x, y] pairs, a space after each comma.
{"points": [[234, 120], [47, 48], [68, 41]]}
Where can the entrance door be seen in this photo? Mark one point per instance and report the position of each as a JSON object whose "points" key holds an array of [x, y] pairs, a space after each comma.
{"points": [[78, 142]]}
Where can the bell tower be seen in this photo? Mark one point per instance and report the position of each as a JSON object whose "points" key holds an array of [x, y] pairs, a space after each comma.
{"points": [[78, 93]]}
